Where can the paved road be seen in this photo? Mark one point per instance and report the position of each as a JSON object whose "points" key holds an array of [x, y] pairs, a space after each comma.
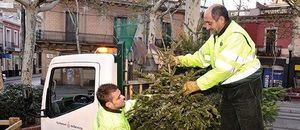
{"points": [[36, 80]]}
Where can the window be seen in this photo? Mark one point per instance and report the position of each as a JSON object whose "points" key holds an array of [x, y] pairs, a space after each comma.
{"points": [[70, 26], [270, 41], [69, 89], [16, 38], [167, 33], [8, 38]]}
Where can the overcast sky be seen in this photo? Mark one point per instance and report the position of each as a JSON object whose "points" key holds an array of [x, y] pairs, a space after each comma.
{"points": [[232, 4]]}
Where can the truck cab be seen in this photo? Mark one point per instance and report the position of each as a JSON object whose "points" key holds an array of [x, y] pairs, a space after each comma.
{"points": [[69, 100]]}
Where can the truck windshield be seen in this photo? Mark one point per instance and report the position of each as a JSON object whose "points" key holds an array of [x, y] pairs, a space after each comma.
{"points": [[70, 88]]}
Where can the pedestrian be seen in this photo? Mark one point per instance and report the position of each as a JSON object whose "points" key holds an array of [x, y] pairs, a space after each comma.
{"points": [[111, 115], [231, 53]]}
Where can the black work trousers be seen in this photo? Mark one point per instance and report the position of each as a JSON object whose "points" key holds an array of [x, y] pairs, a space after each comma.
{"points": [[240, 106]]}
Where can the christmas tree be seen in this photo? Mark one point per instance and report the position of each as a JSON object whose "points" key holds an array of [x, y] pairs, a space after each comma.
{"points": [[167, 107]]}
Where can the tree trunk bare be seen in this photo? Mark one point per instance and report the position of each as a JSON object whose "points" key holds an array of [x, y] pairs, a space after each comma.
{"points": [[31, 7], [192, 17], [77, 27], [153, 22], [30, 39], [1, 81]]}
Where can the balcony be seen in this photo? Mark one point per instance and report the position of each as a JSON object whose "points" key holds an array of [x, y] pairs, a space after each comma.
{"points": [[269, 51], [283, 10], [9, 46], [69, 37]]}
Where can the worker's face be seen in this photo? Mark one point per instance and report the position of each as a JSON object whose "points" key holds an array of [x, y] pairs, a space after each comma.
{"points": [[118, 100], [214, 26]]}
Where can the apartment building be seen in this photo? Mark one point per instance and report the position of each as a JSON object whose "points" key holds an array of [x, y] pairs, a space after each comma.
{"points": [[10, 45], [274, 29], [56, 35]]}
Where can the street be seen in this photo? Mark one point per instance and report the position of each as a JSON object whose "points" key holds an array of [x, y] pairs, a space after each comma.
{"points": [[36, 80]]}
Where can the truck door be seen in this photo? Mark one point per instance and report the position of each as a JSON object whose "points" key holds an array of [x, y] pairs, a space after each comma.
{"points": [[70, 102]]}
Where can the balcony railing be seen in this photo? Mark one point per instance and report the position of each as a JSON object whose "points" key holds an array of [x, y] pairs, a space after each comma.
{"points": [[269, 51], [9, 46], [276, 11], [70, 37]]}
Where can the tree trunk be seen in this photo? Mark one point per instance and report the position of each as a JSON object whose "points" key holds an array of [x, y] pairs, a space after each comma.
{"points": [[239, 6], [77, 27], [1, 80], [152, 28], [140, 28], [153, 22], [30, 19], [192, 17]]}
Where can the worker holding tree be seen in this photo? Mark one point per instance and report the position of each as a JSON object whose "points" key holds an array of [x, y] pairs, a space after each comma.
{"points": [[231, 53]]}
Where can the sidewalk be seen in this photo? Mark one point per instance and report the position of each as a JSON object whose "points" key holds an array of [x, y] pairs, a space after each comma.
{"points": [[19, 77], [288, 116]]}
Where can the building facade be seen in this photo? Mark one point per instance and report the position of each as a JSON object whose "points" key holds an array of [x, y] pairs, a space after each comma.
{"points": [[11, 46], [57, 34], [274, 30]]}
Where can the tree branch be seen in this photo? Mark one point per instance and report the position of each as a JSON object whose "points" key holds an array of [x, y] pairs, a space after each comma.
{"points": [[23, 2], [194, 33], [293, 5], [175, 8], [178, 6], [40, 2], [71, 14], [48, 6], [157, 5], [166, 12]]}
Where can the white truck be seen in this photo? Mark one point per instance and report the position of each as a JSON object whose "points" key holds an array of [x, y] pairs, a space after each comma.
{"points": [[69, 101]]}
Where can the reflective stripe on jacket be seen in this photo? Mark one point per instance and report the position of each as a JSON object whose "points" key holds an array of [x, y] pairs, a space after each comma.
{"points": [[107, 120], [231, 55]]}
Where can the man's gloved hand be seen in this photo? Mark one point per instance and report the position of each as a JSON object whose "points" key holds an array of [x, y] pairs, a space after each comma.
{"points": [[174, 61], [190, 87]]}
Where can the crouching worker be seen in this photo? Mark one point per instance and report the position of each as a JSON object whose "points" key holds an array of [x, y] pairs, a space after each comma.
{"points": [[111, 116]]}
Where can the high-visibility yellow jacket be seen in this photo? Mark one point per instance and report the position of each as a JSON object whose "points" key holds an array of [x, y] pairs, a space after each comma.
{"points": [[231, 53], [107, 120]]}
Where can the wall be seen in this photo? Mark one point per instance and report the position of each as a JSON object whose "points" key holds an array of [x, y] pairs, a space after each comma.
{"points": [[296, 39], [257, 31], [91, 22], [178, 19], [12, 65], [47, 56]]}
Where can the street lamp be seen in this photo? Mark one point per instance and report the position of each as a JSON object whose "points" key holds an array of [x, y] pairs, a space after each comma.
{"points": [[290, 48]]}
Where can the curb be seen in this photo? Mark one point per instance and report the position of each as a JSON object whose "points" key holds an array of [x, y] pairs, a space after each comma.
{"points": [[19, 77]]}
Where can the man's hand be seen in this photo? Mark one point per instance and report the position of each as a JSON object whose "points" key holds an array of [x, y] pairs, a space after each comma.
{"points": [[190, 87]]}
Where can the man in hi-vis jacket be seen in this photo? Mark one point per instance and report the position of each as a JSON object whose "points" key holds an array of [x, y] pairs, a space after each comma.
{"points": [[111, 115], [231, 53]]}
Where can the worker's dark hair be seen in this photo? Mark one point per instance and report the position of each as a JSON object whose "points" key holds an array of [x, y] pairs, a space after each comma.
{"points": [[219, 10], [104, 93]]}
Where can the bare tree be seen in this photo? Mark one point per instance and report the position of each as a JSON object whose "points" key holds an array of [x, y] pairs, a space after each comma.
{"points": [[32, 8], [1, 81], [153, 20], [192, 17], [295, 5], [238, 7], [76, 23]]}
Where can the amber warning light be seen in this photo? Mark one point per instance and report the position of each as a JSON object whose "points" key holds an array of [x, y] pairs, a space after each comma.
{"points": [[105, 50]]}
